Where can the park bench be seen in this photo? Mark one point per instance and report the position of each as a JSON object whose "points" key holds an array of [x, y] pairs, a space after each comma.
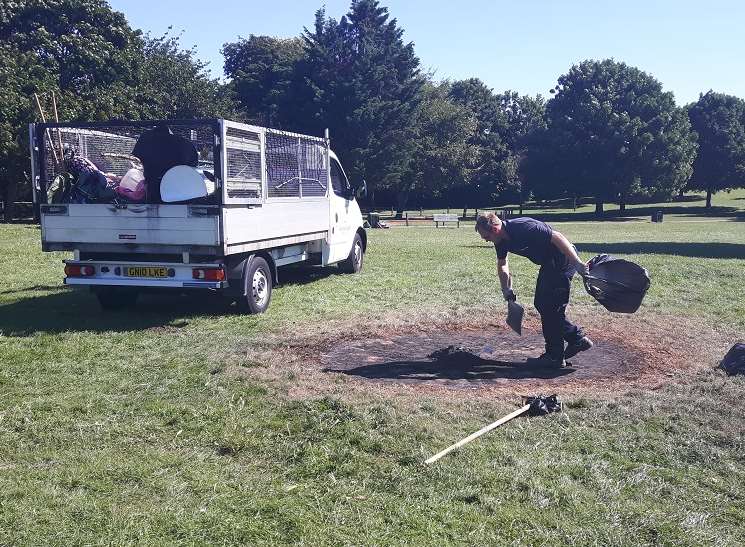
{"points": [[442, 218]]}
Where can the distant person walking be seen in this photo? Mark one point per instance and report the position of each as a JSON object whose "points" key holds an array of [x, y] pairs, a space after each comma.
{"points": [[558, 261]]}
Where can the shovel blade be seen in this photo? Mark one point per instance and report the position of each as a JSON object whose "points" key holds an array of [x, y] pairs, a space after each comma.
{"points": [[515, 314]]}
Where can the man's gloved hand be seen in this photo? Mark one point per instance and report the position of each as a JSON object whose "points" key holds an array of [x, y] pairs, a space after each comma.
{"points": [[582, 269], [509, 294]]}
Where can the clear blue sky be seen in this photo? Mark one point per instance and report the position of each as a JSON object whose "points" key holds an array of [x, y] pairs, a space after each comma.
{"points": [[690, 46]]}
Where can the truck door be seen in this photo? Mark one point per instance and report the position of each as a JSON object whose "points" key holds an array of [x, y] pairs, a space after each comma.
{"points": [[341, 223]]}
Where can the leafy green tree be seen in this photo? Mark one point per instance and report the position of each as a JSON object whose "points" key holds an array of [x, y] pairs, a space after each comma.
{"points": [[363, 83], [442, 154], [521, 117], [81, 49], [173, 83], [19, 78], [493, 169], [84, 42], [99, 68], [263, 74], [615, 134], [525, 117], [719, 121]]}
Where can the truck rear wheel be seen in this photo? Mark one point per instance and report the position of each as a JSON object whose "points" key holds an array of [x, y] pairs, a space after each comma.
{"points": [[258, 287], [353, 263], [116, 298]]}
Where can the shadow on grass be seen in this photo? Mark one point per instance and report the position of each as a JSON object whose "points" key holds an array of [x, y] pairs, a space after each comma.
{"points": [[694, 250], [302, 275], [579, 217], [78, 310], [633, 214], [31, 289], [462, 366]]}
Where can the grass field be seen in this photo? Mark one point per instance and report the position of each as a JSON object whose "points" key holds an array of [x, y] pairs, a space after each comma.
{"points": [[161, 425]]}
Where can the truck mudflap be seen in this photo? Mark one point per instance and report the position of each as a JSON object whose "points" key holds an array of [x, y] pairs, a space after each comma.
{"points": [[165, 275]]}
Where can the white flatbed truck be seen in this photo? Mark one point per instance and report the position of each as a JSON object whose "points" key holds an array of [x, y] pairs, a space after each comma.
{"points": [[278, 198]]}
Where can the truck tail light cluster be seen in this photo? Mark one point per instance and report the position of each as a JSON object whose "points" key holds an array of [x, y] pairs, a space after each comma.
{"points": [[76, 270], [208, 274]]}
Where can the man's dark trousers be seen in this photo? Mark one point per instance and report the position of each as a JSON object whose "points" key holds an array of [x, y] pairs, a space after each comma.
{"points": [[551, 300]]}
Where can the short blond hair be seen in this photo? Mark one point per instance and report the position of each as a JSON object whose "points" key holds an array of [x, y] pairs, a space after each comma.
{"points": [[485, 221]]}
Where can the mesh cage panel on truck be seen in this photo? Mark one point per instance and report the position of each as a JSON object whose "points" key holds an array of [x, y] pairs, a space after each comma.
{"points": [[70, 150], [243, 155], [297, 165]]}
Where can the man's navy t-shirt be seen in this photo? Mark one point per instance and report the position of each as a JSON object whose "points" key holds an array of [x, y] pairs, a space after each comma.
{"points": [[530, 238]]}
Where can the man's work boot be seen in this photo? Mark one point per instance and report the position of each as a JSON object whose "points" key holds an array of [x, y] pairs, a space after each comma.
{"points": [[583, 344], [546, 360]]}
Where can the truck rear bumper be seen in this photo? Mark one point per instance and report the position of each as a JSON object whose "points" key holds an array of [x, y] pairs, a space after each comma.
{"points": [[117, 274], [146, 283]]}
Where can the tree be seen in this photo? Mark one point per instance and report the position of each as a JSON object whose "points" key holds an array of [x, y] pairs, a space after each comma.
{"points": [[81, 49], [19, 78], [615, 134], [493, 172], [263, 72], [99, 68], [525, 117], [174, 84], [363, 83], [442, 153], [719, 121]]}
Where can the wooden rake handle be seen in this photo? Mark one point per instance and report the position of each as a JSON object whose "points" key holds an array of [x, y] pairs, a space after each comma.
{"points": [[478, 433], [57, 161]]}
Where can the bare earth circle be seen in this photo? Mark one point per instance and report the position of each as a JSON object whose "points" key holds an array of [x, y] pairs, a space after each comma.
{"points": [[467, 358]]}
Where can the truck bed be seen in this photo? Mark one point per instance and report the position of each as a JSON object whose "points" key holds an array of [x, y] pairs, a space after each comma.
{"points": [[224, 230], [105, 224]]}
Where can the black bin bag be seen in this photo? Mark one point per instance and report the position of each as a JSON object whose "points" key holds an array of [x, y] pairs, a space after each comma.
{"points": [[734, 362], [159, 150], [618, 284]]}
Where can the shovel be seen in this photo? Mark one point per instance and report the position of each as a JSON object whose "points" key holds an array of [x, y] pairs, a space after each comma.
{"points": [[515, 314], [534, 406]]}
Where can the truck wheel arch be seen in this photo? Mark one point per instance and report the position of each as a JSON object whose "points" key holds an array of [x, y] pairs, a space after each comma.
{"points": [[237, 266]]}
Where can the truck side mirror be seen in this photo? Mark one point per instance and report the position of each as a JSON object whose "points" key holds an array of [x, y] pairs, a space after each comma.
{"points": [[361, 190]]}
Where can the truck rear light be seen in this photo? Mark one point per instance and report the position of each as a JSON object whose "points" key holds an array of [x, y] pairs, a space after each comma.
{"points": [[76, 270], [208, 274]]}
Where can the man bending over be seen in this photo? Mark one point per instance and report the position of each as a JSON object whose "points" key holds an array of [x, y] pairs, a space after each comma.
{"points": [[558, 261]]}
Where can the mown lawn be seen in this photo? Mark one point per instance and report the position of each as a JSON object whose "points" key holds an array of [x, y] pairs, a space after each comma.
{"points": [[123, 428]]}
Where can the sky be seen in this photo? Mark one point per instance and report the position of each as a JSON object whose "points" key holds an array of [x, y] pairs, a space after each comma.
{"points": [[689, 46]]}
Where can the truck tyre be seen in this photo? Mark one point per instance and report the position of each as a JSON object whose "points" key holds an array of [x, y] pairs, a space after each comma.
{"points": [[116, 298], [353, 263], [257, 281]]}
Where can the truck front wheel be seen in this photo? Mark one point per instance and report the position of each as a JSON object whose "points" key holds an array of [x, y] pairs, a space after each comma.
{"points": [[257, 282], [353, 263]]}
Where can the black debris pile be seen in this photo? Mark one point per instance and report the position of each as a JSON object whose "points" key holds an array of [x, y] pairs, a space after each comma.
{"points": [[734, 362], [542, 404], [454, 353]]}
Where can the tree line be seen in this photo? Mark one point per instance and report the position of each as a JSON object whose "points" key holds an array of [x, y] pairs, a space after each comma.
{"points": [[608, 132]]}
